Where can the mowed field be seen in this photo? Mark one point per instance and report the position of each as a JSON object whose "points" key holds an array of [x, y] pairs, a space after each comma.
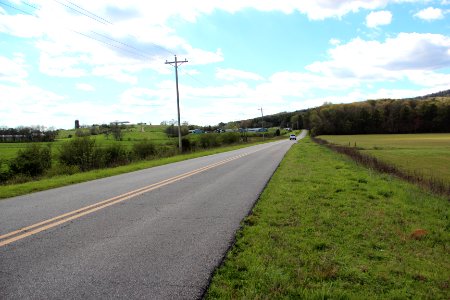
{"points": [[132, 134], [154, 133], [422, 154]]}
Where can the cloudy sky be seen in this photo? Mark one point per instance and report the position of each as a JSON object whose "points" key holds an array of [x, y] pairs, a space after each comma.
{"points": [[104, 60]]}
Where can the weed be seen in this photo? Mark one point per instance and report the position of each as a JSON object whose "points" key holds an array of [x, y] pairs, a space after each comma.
{"points": [[311, 242], [432, 184]]}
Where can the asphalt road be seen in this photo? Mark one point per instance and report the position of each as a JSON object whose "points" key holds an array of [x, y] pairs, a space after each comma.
{"points": [[153, 234]]}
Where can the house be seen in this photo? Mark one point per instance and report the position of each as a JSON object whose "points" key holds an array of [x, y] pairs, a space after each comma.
{"points": [[196, 131]]}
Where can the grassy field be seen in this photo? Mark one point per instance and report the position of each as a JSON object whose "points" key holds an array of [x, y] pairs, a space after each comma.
{"points": [[326, 228], [425, 154], [12, 190], [155, 133]]}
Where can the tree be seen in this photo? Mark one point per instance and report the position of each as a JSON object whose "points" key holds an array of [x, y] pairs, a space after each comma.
{"points": [[116, 131], [34, 160]]}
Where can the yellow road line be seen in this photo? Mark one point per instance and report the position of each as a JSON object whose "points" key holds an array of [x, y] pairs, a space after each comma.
{"points": [[50, 223]]}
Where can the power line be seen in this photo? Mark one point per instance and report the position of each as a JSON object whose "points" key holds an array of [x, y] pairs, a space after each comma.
{"points": [[111, 45], [18, 9], [135, 51], [118, 44], [103, 21], [196, 79], [89, 14]]}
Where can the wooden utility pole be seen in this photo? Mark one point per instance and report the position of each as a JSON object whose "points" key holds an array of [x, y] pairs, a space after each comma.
{"points": [[175, 64], [262, 120]]}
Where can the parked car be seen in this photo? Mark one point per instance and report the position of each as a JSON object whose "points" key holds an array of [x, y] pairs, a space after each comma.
{"points": [[292, 137]]}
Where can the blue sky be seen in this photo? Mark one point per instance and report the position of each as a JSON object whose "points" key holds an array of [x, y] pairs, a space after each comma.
{"points": [[59, 65]]}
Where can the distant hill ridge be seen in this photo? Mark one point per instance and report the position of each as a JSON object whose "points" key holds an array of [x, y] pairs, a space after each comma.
{"points": [[429, 113], [438, 94]]}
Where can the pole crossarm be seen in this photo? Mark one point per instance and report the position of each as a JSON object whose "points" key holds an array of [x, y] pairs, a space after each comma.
{"points": [[262, 120], [176, 63]]}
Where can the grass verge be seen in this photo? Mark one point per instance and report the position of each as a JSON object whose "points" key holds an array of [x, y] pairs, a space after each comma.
{"points": [[326, 228], [438, 186], [424, 154], [7, 191]]}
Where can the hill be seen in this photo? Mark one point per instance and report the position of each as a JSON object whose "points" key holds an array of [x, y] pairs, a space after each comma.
{"points": [[424, 114]]}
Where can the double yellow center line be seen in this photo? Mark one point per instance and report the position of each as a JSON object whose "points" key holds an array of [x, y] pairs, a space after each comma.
{"points": [[50, 223]]}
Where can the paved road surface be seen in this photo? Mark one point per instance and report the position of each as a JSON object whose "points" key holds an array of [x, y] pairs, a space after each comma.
{"points": [[154, 234]]}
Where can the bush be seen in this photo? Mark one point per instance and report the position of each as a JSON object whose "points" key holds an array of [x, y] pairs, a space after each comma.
{"points": [[61, 169], [5, 173], [230, 138], [186, 144], [78, 152], [144, 149], [81, 133], [209, 140], [111, 156], [32, 161], [172, 130]]}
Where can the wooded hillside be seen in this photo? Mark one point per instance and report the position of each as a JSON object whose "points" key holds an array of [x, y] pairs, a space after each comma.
{"points": [[424, 114]]}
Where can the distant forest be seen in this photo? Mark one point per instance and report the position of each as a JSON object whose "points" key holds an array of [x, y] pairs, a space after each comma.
{"points": [[425, 114]]}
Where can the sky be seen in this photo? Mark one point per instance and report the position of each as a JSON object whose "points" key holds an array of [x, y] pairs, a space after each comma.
{"points": [[104, 61]]}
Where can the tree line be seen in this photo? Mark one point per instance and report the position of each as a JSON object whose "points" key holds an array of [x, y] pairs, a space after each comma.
{"points": [[423, 114], [27, 134], [380, 116]]}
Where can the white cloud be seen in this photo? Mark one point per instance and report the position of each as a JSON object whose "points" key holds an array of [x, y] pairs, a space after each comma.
{"points": [[233, 74], [388, 60], [334, 42], [115, 72], [61, 66], [315, 10], [430, 14], [378, 18], [85, 87], [25, 104], [13, 70]]}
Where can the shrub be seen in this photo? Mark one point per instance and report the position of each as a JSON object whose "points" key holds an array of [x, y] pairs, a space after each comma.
{"points": [[116, 132], [81, 133], [230, 138], [144, 149], [117, 155], [32, 161], [5, 173], [186, 144], [78, 152], [172, 130], [111, 156], [209, 140], [61, 169]]}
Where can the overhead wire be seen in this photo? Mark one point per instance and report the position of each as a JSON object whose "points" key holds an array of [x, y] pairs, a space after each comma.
{"points": [[91, 15], [196, 79], [119, 44], [104, 21], [137, 52], [13, 7]]}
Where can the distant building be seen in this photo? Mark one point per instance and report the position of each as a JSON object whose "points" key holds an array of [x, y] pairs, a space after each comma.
{"points": [[196, 131], [253, 129]]}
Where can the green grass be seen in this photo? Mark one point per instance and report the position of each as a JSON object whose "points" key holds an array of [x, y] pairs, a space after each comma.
{"points": [[424, 154], [325, 228], [7, 191], [154, 133]]}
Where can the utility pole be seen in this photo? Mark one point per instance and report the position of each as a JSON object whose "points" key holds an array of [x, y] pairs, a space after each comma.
{"points": [[175, 64], [262, 120]]}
